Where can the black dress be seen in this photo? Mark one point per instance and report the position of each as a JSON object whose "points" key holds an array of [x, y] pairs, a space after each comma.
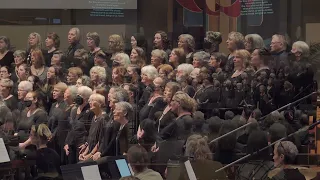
{"points": [[85, 116], [96, 131], [7, 60]]}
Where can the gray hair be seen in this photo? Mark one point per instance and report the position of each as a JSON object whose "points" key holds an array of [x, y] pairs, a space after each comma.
{"points": [[6, 40], [288, 149], [73, 92], [302, 47], [20, 53], [85, 92], [256, 41], [101, 71], [161, 54], [127, 109], [124, 59], [189, 40], [77, 32], [202, 56], [26, 85], [150, 71], [85, 80], [186, 68], [120, 94]]}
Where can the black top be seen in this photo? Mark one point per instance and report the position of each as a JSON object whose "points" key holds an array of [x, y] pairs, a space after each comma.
{"points": [[96, 131], [85, 116], [25, 123], [180, 128], [165, 119], [56, 115], [77, 133], [70, 54], [11, 103], [47, 161], [7, 60], [289, 174], [47, 57], [149, 110]]}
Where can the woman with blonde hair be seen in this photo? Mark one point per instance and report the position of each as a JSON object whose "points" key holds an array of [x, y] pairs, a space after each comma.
{"points": [[118, 74], [182, 105], [235, 42], [34, 42], [116, 45], [241, 63], [47, 160]]}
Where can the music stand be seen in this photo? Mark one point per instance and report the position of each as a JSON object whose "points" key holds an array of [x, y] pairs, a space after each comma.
{"points": [[73, 171]]}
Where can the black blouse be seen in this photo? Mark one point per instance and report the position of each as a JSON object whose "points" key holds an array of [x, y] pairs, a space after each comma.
{"points": [[25, 123], [149, 110], [180, 128], [47, 57], [96, 131], [7, 60], [47, 161], [11, 103]]}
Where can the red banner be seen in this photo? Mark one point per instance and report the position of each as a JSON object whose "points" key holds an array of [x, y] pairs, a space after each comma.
{"points": [[233, 10]]}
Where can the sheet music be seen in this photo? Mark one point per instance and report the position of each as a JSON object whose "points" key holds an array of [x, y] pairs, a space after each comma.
{"points": [[4, 157], [91, 172], [191, 174]]}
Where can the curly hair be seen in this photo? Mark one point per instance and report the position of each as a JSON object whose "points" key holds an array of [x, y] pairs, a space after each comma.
{"points": [[197, 148], [189, 40], [119, 44]]}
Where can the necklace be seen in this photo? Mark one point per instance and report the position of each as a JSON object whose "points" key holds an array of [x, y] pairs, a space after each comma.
{"points": [[37, 72]]}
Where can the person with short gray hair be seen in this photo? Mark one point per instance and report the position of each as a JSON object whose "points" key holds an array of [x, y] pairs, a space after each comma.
{"points": [[183, 71], [284, 154], [200, 59], [253, 41], [301, 50]]}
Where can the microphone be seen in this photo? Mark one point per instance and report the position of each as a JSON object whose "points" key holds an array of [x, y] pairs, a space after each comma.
{"points": [[270, 145], [281, 108]]}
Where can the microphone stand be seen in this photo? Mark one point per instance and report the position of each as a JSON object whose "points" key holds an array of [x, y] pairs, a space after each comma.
{"points": [[257, 152], [241, 127]]}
